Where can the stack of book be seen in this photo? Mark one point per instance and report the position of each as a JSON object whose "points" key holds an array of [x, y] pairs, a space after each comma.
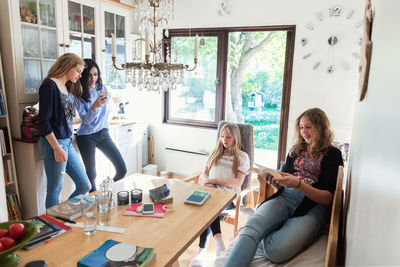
{"points": [[114, 253], [14, 210], [69, 209], [48, 228]]}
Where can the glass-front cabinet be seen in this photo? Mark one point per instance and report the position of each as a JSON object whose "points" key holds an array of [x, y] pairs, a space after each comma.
{"points": [[50, 28], [82, 25], [39, 41]]}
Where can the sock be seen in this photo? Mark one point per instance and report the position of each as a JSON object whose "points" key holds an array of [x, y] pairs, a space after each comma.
{"points": [[219, 245], [198, 260]]}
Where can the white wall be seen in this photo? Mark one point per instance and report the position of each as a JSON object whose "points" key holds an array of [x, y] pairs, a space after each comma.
{"points": [[334, 93], [374, 212]]}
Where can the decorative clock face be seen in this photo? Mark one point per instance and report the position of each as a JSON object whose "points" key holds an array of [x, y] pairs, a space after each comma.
{"points": [[333, 40]]}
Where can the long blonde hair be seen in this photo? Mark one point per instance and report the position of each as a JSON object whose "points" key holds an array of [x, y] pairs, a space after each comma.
{"points": [[63, 64], [323, 134], [235, 149]]}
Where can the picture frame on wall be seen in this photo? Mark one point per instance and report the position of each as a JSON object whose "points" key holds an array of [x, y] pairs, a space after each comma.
{"points": [[366, 50]]}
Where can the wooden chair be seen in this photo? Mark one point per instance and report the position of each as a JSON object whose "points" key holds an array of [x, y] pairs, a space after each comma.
{"points": [[247, 137]]}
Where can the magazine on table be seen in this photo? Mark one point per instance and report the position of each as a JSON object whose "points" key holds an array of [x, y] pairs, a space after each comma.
{"points": [[48, 227], [113, 253]]}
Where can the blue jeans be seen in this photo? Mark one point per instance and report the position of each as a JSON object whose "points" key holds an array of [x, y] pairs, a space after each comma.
{"points": [[87, 146], [55, 171], [282, 237]]}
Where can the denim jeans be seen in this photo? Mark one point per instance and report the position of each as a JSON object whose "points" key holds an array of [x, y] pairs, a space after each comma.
{"points": [[55, 171], [87, 146], [282, 237]]}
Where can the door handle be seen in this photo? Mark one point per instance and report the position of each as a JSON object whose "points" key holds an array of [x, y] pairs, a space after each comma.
{"points": [[216, 82]]}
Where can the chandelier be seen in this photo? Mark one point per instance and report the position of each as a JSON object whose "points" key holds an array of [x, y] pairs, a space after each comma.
{"points": [[159, 70]]}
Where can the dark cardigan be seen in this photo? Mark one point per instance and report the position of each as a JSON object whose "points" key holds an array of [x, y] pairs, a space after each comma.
{"points": [[51, 111], [326, 180]]}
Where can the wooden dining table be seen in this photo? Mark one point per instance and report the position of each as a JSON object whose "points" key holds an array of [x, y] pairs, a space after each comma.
{"points": [[170, 236]]}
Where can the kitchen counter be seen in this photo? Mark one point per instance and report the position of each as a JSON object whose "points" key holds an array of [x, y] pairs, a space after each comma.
{"points": [[114, 123]]}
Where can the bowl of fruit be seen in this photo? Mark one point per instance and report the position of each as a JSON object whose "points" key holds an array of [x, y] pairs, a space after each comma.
{"points": [[13, 236]]}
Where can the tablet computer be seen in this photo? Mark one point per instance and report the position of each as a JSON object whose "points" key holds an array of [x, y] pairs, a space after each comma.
{"points": [[197, 197]]}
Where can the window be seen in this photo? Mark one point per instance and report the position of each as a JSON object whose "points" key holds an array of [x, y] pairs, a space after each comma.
{"points": [[243, 75]]}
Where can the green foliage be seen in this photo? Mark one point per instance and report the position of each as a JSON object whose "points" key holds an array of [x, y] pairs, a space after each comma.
{"points": [[266, 127]]}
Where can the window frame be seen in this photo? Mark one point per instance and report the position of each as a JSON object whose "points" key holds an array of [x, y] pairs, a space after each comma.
{"points": [[222, 61], [220, 88]]}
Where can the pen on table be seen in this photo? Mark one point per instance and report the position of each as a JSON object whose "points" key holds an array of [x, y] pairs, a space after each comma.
{"points": [[65, 220]]}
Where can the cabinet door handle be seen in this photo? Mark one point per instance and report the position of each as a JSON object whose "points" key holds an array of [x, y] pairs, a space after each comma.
{"points": [[62, 45], [129, 130], [103, 50], [67, 45]]}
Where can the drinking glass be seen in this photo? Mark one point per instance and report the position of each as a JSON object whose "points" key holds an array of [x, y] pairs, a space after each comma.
{"points": [[89, 215], [103, 209]]}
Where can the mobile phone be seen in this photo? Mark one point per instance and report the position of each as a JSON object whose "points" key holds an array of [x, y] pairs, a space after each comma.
{"points": [[148, 208], [103, 97], [38, 263]]}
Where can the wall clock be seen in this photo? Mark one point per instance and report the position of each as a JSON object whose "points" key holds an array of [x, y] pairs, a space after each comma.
{"points": [[331, 36]]}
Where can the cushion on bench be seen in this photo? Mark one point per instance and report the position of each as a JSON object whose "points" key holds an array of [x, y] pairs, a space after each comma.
{"points": [[314, 255]]}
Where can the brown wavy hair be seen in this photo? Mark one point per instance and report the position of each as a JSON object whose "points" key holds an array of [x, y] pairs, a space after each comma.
{"points": [[323, 134], [235, 149], [63, 64]]}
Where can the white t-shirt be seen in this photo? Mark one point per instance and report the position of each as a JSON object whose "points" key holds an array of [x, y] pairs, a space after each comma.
{"points": [[223, 169]]}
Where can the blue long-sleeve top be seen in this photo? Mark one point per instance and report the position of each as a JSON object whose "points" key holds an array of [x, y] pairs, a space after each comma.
{"points": [[52, 116], [93, 121]]}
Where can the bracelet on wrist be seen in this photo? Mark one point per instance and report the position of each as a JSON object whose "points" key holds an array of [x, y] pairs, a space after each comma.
{"points": [[298, 185]]}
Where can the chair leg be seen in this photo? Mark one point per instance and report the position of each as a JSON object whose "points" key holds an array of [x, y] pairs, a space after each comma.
{"points": [[237, 214]]}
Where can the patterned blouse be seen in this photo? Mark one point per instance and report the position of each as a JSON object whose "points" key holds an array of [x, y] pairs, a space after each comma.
{"points": [[307, 168], [69, 103]]}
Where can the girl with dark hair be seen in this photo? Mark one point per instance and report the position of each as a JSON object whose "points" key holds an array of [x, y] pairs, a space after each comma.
{"points": [[94, 109], [296, 215], [56, 111]]}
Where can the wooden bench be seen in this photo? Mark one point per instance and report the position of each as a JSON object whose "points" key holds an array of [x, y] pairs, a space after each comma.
{"points": [[313, 255]]}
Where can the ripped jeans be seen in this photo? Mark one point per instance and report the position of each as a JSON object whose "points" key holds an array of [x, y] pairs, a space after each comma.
{"points": [[55, 171], [282, 237]]}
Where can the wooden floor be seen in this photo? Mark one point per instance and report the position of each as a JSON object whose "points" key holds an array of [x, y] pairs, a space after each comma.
{"points": [[188, 255]]}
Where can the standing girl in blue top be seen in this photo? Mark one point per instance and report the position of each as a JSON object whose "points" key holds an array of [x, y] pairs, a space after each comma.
{"points": [[93, 108], [57, 105]]}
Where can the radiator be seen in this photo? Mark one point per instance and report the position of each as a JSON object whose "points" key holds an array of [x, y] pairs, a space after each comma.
{"points": [[184, 162]]}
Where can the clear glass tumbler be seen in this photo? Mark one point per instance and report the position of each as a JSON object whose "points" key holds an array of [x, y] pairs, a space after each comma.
{"points": [[103, 209], [89, 215]]}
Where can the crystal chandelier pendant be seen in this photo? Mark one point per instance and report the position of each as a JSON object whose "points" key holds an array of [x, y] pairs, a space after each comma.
{"points": [[158, 72]]}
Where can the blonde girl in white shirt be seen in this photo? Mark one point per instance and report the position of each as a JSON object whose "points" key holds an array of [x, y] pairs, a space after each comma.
{"points": [[226, 169]]}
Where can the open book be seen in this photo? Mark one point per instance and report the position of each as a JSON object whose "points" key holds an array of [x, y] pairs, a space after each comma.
{"points": [[261, 170]]}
